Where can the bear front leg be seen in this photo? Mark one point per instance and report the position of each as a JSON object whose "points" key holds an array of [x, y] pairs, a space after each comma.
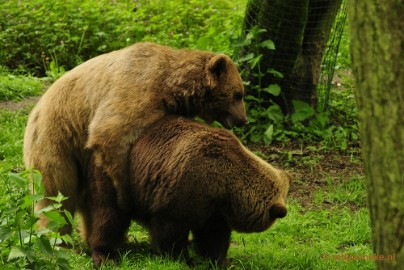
{"points": [[212, 240], [169, 238]]}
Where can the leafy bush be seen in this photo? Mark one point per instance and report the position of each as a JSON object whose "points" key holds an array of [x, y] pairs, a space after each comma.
{"points": [[33, 34], [336, 128], [22, 247]]}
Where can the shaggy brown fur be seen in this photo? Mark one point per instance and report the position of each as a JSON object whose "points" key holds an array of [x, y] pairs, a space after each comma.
{"points": [[104, 104], [186, 176]]}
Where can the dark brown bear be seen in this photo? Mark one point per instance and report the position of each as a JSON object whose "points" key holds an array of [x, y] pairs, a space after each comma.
{"points": [[103, 104], [185, 177]]}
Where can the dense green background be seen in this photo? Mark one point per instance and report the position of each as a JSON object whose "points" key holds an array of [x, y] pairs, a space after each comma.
{"points": [[34, 33]]}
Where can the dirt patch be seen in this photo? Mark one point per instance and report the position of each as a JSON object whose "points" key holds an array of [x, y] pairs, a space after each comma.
{"points": [[16, 105], [313, 169]]}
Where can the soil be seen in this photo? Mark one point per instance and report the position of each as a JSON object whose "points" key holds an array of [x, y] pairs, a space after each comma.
{"points": [[16, 105], [312, 168], [310, 165]]}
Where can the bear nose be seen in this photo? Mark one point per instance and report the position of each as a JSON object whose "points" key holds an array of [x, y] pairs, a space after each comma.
{"points": [[241, 122], [278, 211]]}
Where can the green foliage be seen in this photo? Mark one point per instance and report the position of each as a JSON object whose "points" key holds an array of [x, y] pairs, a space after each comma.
{"points": [[16, 87], [35, 34], [336, 127], [344, 54], [21, 245], [205, 25], [264, 122], [11, 138]]}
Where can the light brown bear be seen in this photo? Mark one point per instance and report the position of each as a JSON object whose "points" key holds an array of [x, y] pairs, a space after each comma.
{"points": [[103, 105], [185, 176]]}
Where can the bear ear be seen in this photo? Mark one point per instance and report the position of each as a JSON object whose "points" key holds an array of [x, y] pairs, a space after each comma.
{"points": [[217, 65], [288, 176]]}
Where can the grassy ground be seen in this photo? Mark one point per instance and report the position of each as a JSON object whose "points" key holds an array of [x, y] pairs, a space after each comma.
{"points": [[327, 220]]}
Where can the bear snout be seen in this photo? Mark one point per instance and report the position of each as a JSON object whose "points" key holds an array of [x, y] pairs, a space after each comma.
{"points": [[231, 121], [278, 211], [239, 122]]}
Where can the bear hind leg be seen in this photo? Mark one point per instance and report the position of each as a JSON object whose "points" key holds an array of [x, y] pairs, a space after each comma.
{"points": [[61, 176]]}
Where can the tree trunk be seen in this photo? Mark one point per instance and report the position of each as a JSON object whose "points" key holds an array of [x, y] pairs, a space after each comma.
{"points": [[300, 31], [377, 48]]}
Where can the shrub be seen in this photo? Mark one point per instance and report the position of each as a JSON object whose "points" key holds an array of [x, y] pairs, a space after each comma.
{"points": [[33, 34], [22, 247]]}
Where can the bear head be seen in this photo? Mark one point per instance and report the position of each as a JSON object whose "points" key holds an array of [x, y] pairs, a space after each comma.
{"points": [[224, 100], [257, 196], [206, 85]]}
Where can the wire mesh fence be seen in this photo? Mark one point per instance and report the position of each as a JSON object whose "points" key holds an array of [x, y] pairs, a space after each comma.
{"points": [[307, 35]]}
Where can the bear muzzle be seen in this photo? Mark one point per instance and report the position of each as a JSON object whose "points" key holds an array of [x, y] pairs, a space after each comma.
{"points": [[230, 120], [278, 211]]}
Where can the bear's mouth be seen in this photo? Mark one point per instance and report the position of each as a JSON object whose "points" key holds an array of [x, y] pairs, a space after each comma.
{"points": [[229, 121], [225, 118]]}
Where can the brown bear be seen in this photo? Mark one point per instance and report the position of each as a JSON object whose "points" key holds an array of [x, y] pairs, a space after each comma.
{"points": [[184, 177], [103, 105]]}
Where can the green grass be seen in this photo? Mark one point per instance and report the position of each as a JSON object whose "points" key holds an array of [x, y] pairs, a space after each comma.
{"points": [[11, 138], [303, 240], [15, 87]]}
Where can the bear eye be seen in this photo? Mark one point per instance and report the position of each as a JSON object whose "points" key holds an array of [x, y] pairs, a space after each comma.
{"points": [[238, 96]]}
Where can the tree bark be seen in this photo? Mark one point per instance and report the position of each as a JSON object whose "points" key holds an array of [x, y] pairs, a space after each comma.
{"points": [[300, 31], [377, 49]]}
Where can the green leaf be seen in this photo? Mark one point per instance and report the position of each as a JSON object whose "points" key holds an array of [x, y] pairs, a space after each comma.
{"points": [[67, 238], [255, 137], [269, 44], [63, 263], [15, 253], [18, 179], [273, 89], [68, 216], [26, 201], [46, 209], [254, 61], [246, 58], [274, 112], [5, 233], [55, 216], [302, 111], [252, 98], [44, 245], [59, 198], [274, 72], [269, 134]]}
